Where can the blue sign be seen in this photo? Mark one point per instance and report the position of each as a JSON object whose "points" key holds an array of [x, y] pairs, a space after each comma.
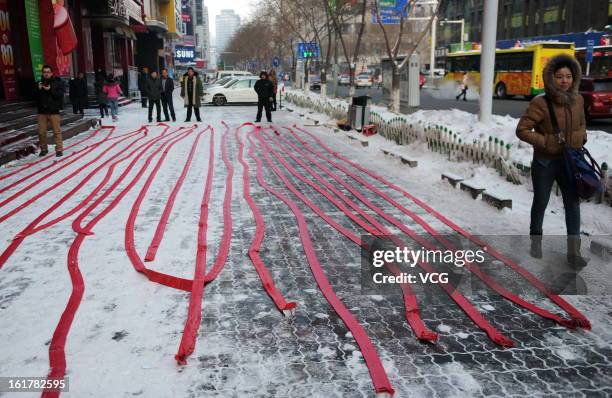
{"points": [[390, 11], [276, 62], [589, 50], [184, 53], [308, 50]]}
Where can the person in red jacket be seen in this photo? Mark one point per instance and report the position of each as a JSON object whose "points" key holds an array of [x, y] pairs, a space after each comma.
{"points": [[112, 88]]}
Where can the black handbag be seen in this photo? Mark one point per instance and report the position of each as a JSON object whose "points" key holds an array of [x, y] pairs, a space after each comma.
{"points": [[585, 174]]}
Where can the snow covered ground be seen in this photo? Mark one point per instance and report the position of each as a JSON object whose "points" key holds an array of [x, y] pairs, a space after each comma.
{"points": [[127, 329]]}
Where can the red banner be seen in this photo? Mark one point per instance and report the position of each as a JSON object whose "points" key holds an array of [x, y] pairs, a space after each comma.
{"points": [[7, 54]]}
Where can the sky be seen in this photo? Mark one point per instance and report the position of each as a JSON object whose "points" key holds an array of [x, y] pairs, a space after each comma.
{"points": [[241, 7]]}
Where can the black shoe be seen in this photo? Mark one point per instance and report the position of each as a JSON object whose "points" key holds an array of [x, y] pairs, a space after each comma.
{"points": [[574, 258], [269, 121], [166, 120], [536, 246], [159, 120], [257, 121], [199, 120], [464, 99], [43, 153], [59, 153], [174, 120], [150, 120], [188, 120]]}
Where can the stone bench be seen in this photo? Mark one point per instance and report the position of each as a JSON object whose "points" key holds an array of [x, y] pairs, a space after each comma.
{"points": [[405, 159], [452, 178], [496, 200], [472, 188], [358, 137]]}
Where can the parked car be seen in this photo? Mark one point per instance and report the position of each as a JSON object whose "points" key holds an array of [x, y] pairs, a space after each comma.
{"points": [[363, 80], [344, 79], [239, 90], [224, 73], [221, 81], [315, 82], [597, 94]]}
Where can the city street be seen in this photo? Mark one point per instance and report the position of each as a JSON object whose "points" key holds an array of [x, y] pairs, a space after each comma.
{"points": [[100, 249], [430, 100]]}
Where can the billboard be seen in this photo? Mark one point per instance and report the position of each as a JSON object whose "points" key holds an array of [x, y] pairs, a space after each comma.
{"points": [[186, 16], [184, 53]]}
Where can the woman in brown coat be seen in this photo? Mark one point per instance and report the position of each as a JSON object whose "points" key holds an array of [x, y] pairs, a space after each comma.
{"points": [[562, 76], [274, 80]]}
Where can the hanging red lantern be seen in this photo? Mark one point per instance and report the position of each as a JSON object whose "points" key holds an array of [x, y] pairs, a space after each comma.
{"points": [[64, 31]]}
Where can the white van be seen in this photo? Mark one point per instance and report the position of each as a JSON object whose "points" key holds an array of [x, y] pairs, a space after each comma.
{"points": [[224, 73]]}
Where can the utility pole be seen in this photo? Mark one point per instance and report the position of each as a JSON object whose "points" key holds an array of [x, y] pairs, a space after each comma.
{"points": [[432, 55], [487, 59]]}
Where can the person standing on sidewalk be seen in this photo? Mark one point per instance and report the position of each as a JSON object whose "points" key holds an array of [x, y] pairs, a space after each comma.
{"points": [[274, 81], [112, 88], [80, 86], [464, 87], [166, 95], [561, 77], [142, 85], [265, 95], [191, 92], [101, 97], [154, 91], [50, 104]]}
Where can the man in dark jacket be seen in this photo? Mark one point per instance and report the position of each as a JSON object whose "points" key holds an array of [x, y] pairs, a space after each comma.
{"points": [[154, 90], [50, 90], [142, 85], [166, 95], [265, 95], [78, 88]]}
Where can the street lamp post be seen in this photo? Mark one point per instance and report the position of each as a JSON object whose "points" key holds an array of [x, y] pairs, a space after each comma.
{"points": [[459, 21], [487, 59]]}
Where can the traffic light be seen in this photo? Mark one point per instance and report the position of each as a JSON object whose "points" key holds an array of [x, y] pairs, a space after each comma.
{"points": [[307, 54]]}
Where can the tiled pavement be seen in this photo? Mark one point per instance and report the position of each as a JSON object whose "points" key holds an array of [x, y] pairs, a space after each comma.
{"points": [[313, 354]]}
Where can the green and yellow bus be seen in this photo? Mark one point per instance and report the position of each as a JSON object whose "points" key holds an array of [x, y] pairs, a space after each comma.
{"points": [[518, 71]]}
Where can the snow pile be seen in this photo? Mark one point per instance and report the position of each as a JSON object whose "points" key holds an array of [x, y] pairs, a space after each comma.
{"points": [[467, 126]]}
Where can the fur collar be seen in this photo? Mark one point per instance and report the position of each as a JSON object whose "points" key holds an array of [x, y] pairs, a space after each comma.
{"points": [[550, 87]]}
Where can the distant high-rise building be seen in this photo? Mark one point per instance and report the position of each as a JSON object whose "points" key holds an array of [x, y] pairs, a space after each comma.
{"points": [[202, 32], [227, 23]]}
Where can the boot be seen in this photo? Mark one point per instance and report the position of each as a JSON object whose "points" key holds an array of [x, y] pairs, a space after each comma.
{"points": [[574, 258], [536, 246]]}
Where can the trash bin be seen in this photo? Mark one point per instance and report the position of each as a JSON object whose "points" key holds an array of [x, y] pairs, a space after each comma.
{"points": [[361, 100], [359, 112]]}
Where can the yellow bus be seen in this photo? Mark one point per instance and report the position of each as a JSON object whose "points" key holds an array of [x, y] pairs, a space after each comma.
{"points": [[518, 71]]}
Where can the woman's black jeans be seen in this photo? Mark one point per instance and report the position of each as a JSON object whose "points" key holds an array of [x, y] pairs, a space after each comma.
{"points": [[543, 173]]}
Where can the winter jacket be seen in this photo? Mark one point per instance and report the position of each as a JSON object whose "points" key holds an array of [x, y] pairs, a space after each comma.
{"points": [[264, 89], [154, 88], [112, 90], [101, 96], [274, 80], [535, 127], [187, 86], [51, 102], [167, 88], [142, 83]]}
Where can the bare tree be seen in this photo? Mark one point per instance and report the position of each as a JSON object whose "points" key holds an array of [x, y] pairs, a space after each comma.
{"points": [[351, 59], [397, 63]]}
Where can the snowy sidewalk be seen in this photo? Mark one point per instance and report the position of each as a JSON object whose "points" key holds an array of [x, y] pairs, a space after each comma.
{"points": [[127, 329]]}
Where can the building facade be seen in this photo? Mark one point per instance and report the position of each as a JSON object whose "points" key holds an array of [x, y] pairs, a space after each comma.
{"points": [[202, 31], [522, 19]]}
